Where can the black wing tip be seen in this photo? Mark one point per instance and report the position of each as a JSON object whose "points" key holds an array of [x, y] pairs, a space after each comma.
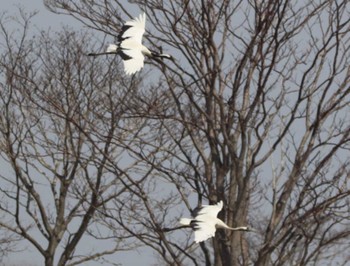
{"points": [[195, 225], [124, 56], [122, 31], [195, 212]]}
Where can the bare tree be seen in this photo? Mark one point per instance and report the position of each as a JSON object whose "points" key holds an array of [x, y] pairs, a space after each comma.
{"points": [[58, 116], [253, 112], [8, 243]]}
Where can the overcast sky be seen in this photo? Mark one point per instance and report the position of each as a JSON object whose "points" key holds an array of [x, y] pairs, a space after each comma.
{"points": [[45, 20], [42, 21]]}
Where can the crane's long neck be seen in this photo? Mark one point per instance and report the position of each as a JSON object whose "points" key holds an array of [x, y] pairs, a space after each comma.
{"points": [[221, 224], [161, 55], [153, 54]]}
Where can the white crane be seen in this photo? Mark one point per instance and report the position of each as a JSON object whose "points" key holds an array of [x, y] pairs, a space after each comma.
{"points": [[205, 222], [130, 47]]}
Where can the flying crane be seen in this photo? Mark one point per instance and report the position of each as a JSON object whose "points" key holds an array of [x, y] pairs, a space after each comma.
{"points": [[205, 222], [130, 47]]}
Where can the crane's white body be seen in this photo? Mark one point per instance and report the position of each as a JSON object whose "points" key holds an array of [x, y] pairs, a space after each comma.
{"points": [[205, 222], [130, 43], [130, 46]]}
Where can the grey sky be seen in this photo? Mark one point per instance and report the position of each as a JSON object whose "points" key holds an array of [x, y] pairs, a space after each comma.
{"points": [[42, 21], [45, 20]]}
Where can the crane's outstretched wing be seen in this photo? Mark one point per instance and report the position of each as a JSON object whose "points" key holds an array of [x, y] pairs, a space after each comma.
{"points": [[203, 230], [209, 210], [134, 63], [205, 220], [130, 44], [133, 29]]}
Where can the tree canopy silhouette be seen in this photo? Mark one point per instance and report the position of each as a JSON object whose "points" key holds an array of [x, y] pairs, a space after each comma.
{"points": [[253, 112]]}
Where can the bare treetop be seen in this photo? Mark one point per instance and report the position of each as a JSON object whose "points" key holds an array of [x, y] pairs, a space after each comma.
{"points": [[252, 112]]}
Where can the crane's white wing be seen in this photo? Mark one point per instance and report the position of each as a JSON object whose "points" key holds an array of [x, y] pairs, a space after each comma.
{"points": [[205, 220], [130, 42], [135, 63], [133, 30], [203, 230], [210, 211]]}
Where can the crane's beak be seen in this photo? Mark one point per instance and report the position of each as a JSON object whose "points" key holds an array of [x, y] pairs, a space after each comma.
{"points": [[172, 58]]}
